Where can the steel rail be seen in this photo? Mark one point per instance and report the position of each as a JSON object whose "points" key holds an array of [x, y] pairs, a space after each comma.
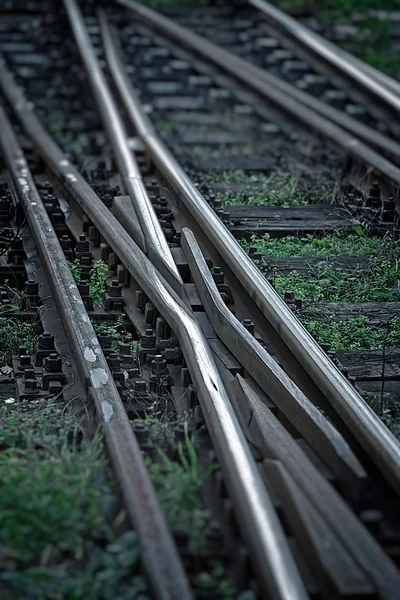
{"points": [[277, 443], [272, 559], [272, 379], [156, 244], [329, 121], [364, 424], [159, 554], [341, 60]]}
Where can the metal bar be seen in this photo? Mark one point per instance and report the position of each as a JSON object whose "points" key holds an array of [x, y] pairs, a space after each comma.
{"points": [[160, 557], [365, 425], [272, 560], [272, 379], [156, 245], [276, 442], [343, 61], [301, 105]]}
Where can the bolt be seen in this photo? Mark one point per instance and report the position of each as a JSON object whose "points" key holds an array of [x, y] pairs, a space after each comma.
{"points": [[249, 325], [30, 386], [115, 289], [159, 366], [148, 338], [53, 363], [114, 361], [25, 362], [104, 340]]}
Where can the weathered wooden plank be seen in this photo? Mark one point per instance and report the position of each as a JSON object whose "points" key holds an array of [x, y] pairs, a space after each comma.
{"points": [[274, 442], [305, 266], [378, 313], [333, 567], [316, 212], [371, 365]]}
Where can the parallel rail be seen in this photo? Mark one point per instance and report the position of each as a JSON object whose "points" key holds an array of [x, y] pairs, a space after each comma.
{"points": [[261, 529], [380, 86], [304, 352], [159, 553], [309, 501], [337, 126]]}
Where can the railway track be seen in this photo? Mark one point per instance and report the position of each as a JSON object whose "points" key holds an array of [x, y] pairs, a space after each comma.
{"points": [[308, 471]]}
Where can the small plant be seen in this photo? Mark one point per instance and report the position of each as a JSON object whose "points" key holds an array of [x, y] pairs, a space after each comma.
{"points": [[98, 277], [118, 333], [353, 334], [277, 190], [76, 270], [15, 333], [52, 511], [340, 243], [377, 284], [179, 489], [63, 504], [34, 425], [98, 280]]}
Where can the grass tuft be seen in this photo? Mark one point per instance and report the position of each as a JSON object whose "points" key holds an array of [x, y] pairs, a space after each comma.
{"points": [[179, 489]]}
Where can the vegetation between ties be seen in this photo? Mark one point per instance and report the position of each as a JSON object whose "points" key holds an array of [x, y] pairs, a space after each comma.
{"points": [[55, 542], [97, 280]]}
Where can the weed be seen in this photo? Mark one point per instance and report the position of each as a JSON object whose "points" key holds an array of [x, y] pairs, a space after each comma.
{"points": [[76, 270], [161, 431], [354, 333], [63, 504], [117, 332], [98, 280], [15, 333], [276, 191], [377, 284], [98, 277], [50, 506], [238, 176], [109, 573], [35, 424], [179, 489], [340, 243]]}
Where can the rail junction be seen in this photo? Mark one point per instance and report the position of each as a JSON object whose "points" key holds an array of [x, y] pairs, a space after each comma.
{"points": [[125, 134]]}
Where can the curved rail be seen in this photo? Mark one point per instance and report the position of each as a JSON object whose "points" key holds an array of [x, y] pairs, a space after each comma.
{"points": [[328, 120], [156, 245], [272, 559], [159, 554], [271, 378], [366, 426], [385, 89]]}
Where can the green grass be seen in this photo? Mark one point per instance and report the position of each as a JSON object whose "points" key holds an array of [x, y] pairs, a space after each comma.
{"points": [[118, 333], [277, 189], [353, 334], [340, 243], [375, 284], [15, 333], [34, 425], [52, 504], [98, 278], [378, 284], [179, 487]]}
